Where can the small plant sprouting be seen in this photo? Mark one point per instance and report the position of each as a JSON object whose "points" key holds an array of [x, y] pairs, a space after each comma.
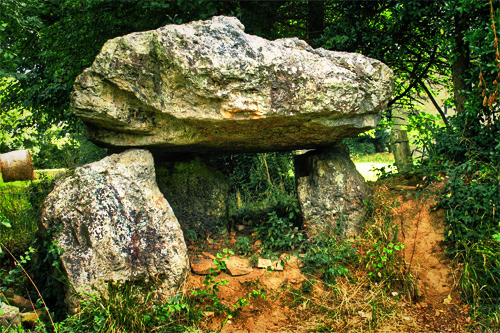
{"points": [[278, 233], [383, 260], [243, 246], [4, 221], [327, 257]]}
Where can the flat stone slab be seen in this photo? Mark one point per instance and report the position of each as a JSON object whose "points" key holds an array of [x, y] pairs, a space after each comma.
{"points": [[268, 264], [237, 266], [207, 85], [202, 266]]}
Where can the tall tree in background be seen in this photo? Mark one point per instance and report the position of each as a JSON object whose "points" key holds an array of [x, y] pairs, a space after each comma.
{"points": [[46, 44], [315, 20]]}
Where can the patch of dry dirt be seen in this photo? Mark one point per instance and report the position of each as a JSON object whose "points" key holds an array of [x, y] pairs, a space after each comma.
{"points": [[437, 309], [439, 306]]}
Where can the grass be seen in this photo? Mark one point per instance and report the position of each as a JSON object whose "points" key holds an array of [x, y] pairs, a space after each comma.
{"points": [[367, 165], [20, 202], [383, 158]]}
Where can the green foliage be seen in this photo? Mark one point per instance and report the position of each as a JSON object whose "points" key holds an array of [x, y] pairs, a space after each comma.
{"points": [[267, 178], [367, 143], [134, 306], [385, 171], [403, 34], [50, 43], [479, 278], [278, 233], [384, 260], [16, 276], [52, 145], [379, 158], [243, 245], [20, 203], [467, 156], [421, 128], [327, 258], [208, 294], [126, 307]]}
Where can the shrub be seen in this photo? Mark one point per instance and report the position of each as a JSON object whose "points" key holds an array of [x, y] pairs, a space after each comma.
{"points": [[467, 155], [327, 258]]}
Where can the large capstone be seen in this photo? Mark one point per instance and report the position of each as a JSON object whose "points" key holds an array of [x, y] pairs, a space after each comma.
{"points": [[207, 85], [115, 225], [331, 192]]}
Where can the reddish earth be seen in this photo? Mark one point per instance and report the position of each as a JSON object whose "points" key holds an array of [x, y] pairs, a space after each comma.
{"points": [[353, 304], [439, 308]]}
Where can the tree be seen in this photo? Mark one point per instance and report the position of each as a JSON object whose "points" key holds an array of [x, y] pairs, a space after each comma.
{"points": [[46, 43]]}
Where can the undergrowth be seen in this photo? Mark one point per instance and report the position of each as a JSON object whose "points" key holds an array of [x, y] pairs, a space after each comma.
{"points": [[471, 197], [366, 270]]}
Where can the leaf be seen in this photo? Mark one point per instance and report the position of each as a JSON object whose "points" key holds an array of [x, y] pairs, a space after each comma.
{"points": [[447, 300]]}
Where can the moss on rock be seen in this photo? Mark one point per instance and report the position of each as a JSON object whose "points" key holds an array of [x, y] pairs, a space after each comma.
{"points": [[198, 194]]}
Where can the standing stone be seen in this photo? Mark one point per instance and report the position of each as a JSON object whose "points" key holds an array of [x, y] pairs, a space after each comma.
{"points": [[331, 191], [400, 147], [198, 194], [115, 225], [206, 85]]}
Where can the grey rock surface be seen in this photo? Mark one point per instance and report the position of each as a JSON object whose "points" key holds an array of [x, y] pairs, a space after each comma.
{"points": [[331, 192], [198, 194], [115, 225], [9, 316], [207, 85]]}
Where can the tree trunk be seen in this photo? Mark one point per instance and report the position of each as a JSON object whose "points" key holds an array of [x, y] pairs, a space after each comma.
{"points": [[315, 19], [461, 64], [16, 165]]}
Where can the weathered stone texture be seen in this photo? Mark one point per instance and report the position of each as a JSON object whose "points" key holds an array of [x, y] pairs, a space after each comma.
{"points": [[208, 85], [9, 315], [115, 225], [198, 194], [331, 191]]}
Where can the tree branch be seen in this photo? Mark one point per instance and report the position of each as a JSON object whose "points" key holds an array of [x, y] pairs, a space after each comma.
{"points": [[418, 78], [436, 105]]}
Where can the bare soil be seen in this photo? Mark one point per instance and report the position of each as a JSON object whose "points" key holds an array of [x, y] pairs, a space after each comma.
{"points": [[439, 308], [436, 307]]}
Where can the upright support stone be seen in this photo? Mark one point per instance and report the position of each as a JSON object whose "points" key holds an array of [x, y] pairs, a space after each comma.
{"points": [[115, 225], [198, 194], [331, 191]]}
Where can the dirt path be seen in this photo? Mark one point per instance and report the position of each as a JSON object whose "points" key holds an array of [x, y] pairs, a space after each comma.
{"points": [[440, 308]]}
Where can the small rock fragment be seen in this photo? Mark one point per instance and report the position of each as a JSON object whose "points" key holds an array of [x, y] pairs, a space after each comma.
{"points": [[202, 266], [266, 263], [20, 302], [9, 315], [237, 266]]}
